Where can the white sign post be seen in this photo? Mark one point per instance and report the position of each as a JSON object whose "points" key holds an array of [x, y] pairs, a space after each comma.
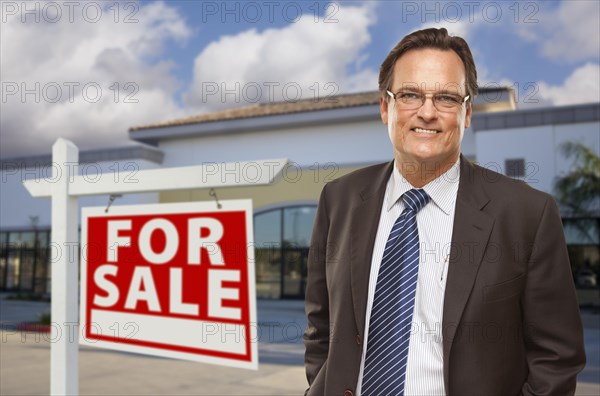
{"points": [[64, 188], [64, 359]]}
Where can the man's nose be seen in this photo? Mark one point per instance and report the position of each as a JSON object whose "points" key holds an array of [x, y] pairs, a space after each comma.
{"points": [[427, 111]]}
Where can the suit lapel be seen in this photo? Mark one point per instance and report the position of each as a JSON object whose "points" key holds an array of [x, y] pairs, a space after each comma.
{"points": [[470, 235], [364, 223]]}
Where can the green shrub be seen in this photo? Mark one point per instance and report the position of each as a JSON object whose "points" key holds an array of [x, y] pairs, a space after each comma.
{"points": [[44, 318]]}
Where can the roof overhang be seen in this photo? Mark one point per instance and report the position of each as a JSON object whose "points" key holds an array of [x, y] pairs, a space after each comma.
{"points": [[265, 123]]}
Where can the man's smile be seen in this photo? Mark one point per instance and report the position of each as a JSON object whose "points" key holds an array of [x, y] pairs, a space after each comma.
{"points": [[429, 131]]}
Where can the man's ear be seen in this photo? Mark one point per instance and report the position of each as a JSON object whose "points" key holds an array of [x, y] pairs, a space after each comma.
{"points": [[468, 114], [383, 109]]}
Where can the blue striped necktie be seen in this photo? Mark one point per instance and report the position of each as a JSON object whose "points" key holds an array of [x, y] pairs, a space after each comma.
{"points": [[389, 327]]}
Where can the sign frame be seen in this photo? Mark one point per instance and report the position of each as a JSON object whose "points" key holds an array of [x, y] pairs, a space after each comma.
{"points": [[250, 335]]}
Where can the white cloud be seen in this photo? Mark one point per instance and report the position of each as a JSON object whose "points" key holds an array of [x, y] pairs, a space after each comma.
{"points": [[582, 86], [305, 55], [569, 33], [104, 53]]}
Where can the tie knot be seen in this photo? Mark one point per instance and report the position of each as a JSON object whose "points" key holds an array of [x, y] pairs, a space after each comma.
{"points": [[415, 199]]}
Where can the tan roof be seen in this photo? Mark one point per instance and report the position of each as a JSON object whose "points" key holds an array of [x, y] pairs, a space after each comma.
{"points": [[270, 109], [322, 103]]}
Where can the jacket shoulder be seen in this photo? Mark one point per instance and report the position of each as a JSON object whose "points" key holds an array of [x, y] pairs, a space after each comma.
{"points": [[358, 179]]}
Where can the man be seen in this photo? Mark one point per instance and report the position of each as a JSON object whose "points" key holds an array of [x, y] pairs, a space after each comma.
{"points": [[430, 275]]}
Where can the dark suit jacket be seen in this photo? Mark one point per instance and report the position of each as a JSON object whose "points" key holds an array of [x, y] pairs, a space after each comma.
{"points": [[511, 322]]}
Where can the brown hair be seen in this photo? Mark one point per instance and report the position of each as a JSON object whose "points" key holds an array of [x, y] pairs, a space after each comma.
{"points": [[429, 38]]}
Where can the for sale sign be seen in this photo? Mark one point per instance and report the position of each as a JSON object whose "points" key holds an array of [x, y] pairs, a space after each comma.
{"points": [[174, 280]]}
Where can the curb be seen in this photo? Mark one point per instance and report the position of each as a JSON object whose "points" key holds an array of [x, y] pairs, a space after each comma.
{"points": [[31, 327]]}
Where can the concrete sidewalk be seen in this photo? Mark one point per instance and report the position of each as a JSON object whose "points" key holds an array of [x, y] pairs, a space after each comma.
{"points": [[25, 368], [25, 361]]}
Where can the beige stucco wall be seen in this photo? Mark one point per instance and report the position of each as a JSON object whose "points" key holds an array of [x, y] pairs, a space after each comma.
{"points": [[295, 184]]}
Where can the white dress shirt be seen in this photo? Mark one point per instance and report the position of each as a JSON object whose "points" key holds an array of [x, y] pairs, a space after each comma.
{"points": [[424, 370]]}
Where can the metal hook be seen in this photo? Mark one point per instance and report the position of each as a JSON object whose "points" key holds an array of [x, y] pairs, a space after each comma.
{"points": [[213, 193], [111, 199]]}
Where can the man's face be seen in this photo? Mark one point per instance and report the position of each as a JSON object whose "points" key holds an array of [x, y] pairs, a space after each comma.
{"points": [[429, 71]]}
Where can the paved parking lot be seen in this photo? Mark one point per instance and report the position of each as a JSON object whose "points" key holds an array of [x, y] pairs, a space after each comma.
{"points": [[25, 359]]}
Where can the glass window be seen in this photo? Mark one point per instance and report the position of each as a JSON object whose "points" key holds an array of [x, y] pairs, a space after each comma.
{"points": [[297, 225], [14, 239], [268, 272], [21, 239], [2, 270], [28, 239], [41, 271], [3, 253], [582, 231], [48, 273], [583, 243], [42, 239], [24, 261], [282, 237], [294, 272], [267, 239], [267, 228], [515, 167], [585, 261], [26, 267], [12, 270]]}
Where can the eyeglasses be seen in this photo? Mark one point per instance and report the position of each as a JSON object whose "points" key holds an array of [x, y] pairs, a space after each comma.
{"points": [[444, 102]]}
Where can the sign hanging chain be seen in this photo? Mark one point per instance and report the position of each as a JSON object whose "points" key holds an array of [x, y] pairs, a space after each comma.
{"points": [[111, 199], [213, 193]]}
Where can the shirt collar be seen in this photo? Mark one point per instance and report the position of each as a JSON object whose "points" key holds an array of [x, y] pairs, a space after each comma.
{"points": [[442, 190]]}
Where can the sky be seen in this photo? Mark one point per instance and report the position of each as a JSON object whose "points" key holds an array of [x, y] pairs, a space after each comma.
{"points": [[89, 70]]}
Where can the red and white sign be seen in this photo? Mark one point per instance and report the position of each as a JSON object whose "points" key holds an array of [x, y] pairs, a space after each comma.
{"points": [[173, 280]]}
